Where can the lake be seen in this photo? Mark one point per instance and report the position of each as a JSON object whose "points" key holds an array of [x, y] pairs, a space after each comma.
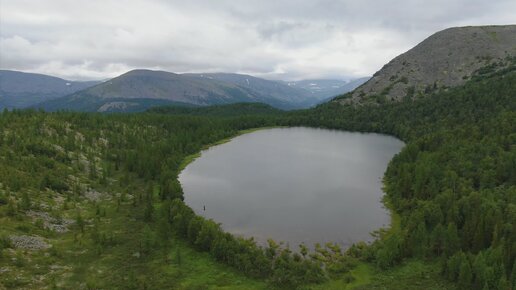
{"points": [[297, 185]]}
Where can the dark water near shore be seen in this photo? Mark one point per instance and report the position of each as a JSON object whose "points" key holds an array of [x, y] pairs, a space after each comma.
{"points": [[298, 185]]}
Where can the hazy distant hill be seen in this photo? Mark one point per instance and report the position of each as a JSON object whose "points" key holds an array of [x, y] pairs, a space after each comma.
{"points": [[138, 88], [324, 89], [446, 59], [19, 89]]}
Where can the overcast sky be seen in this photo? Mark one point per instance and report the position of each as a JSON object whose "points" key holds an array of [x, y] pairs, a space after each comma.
{"points": [[275, 39]]}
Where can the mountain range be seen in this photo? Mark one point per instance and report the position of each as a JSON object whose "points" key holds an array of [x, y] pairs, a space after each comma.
{"points": [[138, 90]]}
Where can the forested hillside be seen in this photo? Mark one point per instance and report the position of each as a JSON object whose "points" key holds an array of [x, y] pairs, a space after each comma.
{"points": [[454, 184], [92, 201], [232, 110]]}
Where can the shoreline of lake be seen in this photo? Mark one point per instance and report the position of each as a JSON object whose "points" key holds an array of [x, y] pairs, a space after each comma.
{"points": [[390, 213]]}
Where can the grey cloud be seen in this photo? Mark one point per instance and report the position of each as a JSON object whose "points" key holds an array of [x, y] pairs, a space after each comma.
{"points": [[269, 30], [275, 39]]}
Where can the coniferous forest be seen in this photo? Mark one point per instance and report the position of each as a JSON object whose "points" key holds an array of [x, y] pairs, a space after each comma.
{"points": [[93, 201]]}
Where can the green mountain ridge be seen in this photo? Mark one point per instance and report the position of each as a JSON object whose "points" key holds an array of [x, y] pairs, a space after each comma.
{"points": [[231, 110]]}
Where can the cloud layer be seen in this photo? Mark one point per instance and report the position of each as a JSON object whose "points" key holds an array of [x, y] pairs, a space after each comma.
{"points": [[96, 39]]}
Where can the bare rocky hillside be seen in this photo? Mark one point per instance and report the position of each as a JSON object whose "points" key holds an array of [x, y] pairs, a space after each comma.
{"points": [[446, 59]]}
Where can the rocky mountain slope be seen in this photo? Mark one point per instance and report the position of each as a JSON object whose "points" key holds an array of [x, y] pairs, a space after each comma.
{"points": [[19, 89], [446, 59]]}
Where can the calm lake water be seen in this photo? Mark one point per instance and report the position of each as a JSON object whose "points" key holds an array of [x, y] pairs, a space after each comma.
{"points": [[297, 185]]}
